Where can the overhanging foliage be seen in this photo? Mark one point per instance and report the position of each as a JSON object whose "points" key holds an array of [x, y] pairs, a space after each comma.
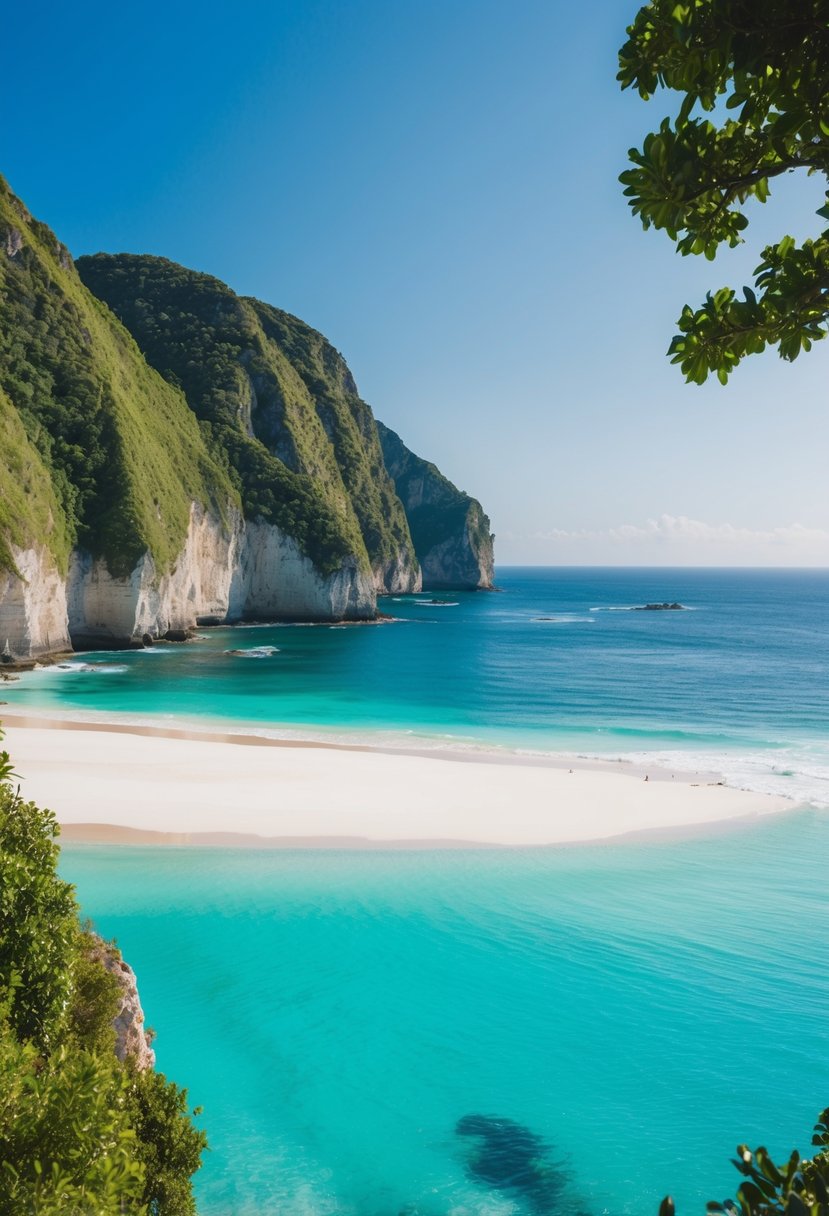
{"points": [[755, 80]]}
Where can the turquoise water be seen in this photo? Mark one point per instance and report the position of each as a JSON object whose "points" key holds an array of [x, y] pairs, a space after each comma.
{"points": [[738, 684], [623, 1014], [639, 1008]]}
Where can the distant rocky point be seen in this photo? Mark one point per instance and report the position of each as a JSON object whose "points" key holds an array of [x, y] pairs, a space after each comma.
{"points": [[449, 529]]}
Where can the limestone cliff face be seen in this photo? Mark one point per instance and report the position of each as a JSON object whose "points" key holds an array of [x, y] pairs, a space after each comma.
{"points": [[105, 608], [131, 1039], [274, 580], [33, 614], [228, 570], [450, 530], [397, 575]]}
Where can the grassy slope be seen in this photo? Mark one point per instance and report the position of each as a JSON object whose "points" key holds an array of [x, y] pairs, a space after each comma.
{"points": [[350, 424], [123, 453], [276, 397], [29, 508]]}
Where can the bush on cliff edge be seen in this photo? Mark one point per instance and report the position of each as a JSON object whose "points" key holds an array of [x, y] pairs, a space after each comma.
{"points": [[80, 1132]]}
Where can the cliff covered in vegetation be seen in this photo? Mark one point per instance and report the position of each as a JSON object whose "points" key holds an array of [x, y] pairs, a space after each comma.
{"points": [[272, 394], [122, 514], [175, 454]]}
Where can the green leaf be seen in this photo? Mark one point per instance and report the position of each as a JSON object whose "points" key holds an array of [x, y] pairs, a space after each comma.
{"points": [[795, 1205]]}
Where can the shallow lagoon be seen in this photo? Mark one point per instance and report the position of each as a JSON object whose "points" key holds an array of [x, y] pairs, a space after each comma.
{"points": [[640, 1007]]}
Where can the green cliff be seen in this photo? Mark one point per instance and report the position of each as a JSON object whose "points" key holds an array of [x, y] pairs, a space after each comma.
{"points": [[175, 454], [272, 394], [110, 452], [30, 511], [450, 531]]}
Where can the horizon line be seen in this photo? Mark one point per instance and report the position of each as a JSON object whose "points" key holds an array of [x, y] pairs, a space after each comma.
{"points": [[639, 566]]}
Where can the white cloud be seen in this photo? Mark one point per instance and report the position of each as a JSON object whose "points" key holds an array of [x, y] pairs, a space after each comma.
{"points": [[679, 540]]}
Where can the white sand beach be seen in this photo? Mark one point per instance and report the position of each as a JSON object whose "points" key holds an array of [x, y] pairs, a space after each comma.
{"points": [[132, 783]]}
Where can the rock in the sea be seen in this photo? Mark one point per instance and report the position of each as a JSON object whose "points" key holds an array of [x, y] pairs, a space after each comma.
{"points": [[666, 607]]}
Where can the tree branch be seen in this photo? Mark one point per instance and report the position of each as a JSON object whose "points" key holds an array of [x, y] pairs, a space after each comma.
{"points": [[751, 178]]}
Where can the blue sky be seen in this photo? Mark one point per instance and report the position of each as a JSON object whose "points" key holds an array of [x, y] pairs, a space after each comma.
{"points": [[433, 185]]}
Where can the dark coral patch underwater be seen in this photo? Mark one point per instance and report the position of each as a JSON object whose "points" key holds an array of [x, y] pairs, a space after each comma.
{"points": [[509, 1157]]}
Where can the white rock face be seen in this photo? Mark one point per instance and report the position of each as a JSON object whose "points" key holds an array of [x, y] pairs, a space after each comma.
{"points": [[198, 586], [398, 577], [33, 614], [228, 570], [274, 579], [462, 561], [131, 1039]]}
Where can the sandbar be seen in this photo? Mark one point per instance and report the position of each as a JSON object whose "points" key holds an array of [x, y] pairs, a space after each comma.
{"points": [[154, 785]]}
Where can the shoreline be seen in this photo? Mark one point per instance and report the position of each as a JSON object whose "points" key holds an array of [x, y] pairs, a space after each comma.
{"points": [[118, 782], [247, 735], [115, 835]]}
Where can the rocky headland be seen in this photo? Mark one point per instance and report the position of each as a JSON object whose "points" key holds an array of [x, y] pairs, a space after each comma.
{"points": [[450, 531], [177, 455]]}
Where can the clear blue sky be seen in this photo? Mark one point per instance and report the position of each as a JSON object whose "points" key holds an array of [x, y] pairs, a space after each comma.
{"points": [[432, 183]]}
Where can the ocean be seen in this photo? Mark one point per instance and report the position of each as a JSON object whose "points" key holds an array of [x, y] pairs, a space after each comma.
{"points": [[558, 661], [573, 1030]]}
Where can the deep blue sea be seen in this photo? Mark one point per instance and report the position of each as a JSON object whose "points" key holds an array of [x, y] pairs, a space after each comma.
{"points": [[494, 1033]]}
